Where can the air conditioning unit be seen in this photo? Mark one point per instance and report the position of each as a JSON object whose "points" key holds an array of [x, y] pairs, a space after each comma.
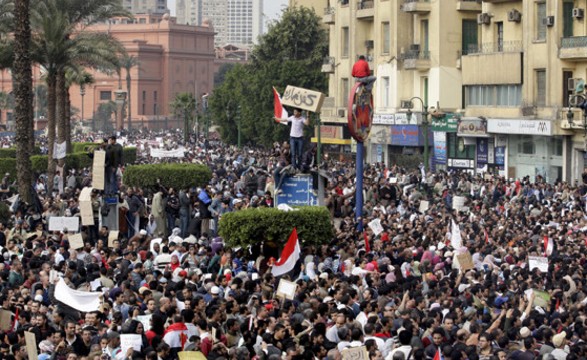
{"points": [[406, 104], [415, 47], [483, 19], [578, 13], [514, 16], [369, 44], [549, 21], [572, 83], [341, 113]]}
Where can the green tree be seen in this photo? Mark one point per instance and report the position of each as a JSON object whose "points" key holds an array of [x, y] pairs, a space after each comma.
{"points": [[127, 62], [290, 53], [82, 78], [6, 102], [184, 106]]}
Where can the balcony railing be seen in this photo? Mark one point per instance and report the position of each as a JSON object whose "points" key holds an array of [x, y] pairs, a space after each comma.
{"points": [[574, 42], [494, 47], [416, 55], [416, 1], [367, 4]]}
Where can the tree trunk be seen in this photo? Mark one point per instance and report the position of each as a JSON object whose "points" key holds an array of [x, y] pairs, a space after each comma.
{"points": [[128, 99], [51, 114], [68, 122], [62, 120], [23, 102]]}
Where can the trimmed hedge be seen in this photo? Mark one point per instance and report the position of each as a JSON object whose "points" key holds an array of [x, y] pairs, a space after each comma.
{"points": [[8, 166], [177, 176], [251, 226], [10, 153]]}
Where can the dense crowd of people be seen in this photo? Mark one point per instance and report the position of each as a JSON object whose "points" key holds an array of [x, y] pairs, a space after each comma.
{"points": [[409, 294]]}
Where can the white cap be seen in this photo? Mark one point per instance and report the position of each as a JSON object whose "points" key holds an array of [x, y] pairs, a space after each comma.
{"points": [[215, 290]]}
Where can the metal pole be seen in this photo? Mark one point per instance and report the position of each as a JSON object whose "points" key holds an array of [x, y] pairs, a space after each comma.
{"points": [[319, 155], [238, 126], [426, 145], [359, 188]]}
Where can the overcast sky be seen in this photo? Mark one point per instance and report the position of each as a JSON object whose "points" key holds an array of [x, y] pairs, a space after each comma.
{"points": [[272, 7]]}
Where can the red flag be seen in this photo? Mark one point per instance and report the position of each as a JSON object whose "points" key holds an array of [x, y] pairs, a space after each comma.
{"points": [[548, 246], [15, 322], [367, 246], [486, 236], [289, 256], [278, 110], [438, 355]]}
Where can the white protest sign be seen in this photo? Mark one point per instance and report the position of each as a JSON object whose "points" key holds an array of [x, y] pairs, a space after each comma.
{"points": [[76, 241], [375, 225], [456, 241], [145, 320], [539, 262], [286, 289], [355, 353], [424, 206], [85, 206], [59, 150], [128, 341], [160, 153], [458, 203], [98, 169], [59, 223]]}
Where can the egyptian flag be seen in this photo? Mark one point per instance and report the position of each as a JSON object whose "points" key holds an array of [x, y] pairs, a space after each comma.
{"points": [[438, 355], [367, 246], [486, 236], [548, 246], [278, 110], [176, 335], [289, 256]]}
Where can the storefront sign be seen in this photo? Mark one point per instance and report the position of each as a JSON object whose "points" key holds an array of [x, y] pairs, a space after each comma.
{"points": [[405, 135], [461, 163], [402, 119], [520, 127], [439, 147], [482, 152], [380, 134], [446, 124], [501, 140], [490, 151], [383, 119], [472, 127], [500, 155], [330, 132]]}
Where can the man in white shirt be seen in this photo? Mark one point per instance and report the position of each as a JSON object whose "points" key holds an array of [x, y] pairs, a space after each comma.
{"points": [[296, 137], [404, 338]]}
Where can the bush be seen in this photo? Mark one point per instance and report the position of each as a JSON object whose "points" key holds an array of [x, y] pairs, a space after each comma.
{"points": [[129, 154], [249, 227], [83, 147], [10, 153], [8, 165], [177, 176], [5, 214]]}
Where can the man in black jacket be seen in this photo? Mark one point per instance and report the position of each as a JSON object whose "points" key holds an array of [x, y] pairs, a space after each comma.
{"points": [[114, 161]]}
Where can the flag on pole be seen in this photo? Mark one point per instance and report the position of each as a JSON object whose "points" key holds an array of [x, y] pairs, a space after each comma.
{"points": [[278, 110], [289, 256], [367, 246], [548, 246]]}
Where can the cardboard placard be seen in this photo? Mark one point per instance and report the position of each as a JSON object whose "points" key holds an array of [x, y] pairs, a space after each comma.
{"points": [[356, 353], [76, 241], [31, 345], [301, 98], [465, 261], [541, 298], [286, 289], [191, 355], [128, 341], [85, 206], [424, 206], [112, 235], [539, 262], [145, 320], [5, 320], [59, 223], [375, 225], [98, 169]]}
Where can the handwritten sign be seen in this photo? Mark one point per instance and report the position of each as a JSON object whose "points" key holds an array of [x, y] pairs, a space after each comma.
{"points": [[191, 355], [465, 261], [128, 341], [5, 320], [145, 320], [59, 223], [76, 241], [112, 235], [424, 206], [85, 206], [286, 289], [356, 353], [59, 152], [303, 98], [98, 169], [541, 298], [176, 153], [458, 203], [375, 225], [31, 345], [539, 262]]}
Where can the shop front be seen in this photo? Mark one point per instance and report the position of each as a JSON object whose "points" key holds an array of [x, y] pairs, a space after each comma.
{"points": [[407, 145]]}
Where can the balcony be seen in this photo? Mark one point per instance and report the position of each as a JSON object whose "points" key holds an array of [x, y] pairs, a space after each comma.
{"points": [[469, 5], [500, 1], [573, 48], [505, 56], [328, 17], [366, 9], [416, 60], [416, 6], [328, 66]]}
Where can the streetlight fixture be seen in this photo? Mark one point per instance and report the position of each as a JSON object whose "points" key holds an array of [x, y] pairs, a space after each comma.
{"points": [[82, 92], [424, 124]]}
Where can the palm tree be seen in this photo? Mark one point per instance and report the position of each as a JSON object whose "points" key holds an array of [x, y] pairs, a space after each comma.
{"points": [[184, 105], [82, 78], [128, 62], [23, 89]]}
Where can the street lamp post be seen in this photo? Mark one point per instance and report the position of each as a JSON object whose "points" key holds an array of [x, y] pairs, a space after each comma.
{"points": [[424, 124], [82, 92], [238, 125]]}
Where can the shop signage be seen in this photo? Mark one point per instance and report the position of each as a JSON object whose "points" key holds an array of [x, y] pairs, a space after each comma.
{"points": [[482, 152], [461, 163], [500, 155], [520, 127], [446, 124], [472, 128], [440, 147], [383, 119], [405, 135]]}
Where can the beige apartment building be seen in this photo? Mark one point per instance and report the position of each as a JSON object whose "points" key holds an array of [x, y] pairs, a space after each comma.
{"points": [[496, 76]]}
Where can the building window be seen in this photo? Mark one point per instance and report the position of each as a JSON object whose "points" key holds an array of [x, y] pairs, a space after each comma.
{"points": [[155, 96], [144, 95], [493, 95], [499, 28], [541, 87], [155, 109], [557, 148], [568, 18], [344, 86], [385, 92], [345, 42], [143, 109], [105, 95], [526, 145], [386, 30], [541, 21]]}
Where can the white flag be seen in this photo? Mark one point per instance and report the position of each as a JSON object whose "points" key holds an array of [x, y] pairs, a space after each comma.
{"points": [[456, 241]]}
